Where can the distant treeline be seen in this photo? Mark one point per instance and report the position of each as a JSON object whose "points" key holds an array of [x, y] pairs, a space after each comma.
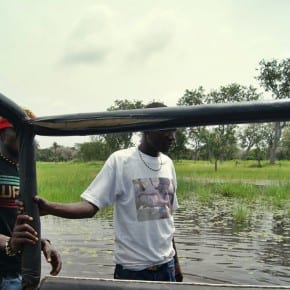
{"points": [[216, 143]]}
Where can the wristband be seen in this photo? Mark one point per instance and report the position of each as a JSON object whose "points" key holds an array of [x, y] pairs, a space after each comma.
{"points": [[8, 250]]}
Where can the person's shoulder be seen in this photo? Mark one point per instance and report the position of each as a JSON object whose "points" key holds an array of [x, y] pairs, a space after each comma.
{"points": [[124, 153], [166, 159], [165, 156], [122, 157]]}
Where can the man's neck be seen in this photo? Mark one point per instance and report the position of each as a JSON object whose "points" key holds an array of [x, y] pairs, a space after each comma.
{"points": [[13, 156], [144, 148]]}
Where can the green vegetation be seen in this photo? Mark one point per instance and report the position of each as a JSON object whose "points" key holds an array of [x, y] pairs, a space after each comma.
{"points": [[234, 169], [64, 181], [242, 185]]}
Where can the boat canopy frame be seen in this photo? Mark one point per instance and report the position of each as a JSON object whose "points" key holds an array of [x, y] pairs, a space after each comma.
{"points": [[113, 122]]}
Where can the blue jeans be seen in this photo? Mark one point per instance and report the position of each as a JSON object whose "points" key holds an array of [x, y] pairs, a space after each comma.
{"points": [[10, 282], [165, 272]]}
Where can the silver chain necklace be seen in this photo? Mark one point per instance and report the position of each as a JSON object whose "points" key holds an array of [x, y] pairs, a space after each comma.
{"points": [[149, 167]]}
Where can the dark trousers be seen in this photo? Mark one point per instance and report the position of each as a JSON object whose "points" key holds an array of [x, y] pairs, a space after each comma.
{"points": [[164, 272]]}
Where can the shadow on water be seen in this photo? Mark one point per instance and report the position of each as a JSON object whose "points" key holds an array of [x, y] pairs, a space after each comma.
{"points": [[211, 245]]}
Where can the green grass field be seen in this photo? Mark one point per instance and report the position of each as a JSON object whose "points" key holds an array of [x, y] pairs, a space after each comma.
{"points": [[234, 169], [242, 182], [65, 181]]}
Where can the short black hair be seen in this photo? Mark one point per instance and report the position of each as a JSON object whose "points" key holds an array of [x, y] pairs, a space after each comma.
{"points": [[155, 105]]}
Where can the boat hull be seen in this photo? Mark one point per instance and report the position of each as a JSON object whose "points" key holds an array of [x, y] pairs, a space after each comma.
{"points": [[73, 283]]}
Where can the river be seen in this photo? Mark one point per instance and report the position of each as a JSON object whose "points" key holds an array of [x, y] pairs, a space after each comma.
{"points": [[212, 247]]}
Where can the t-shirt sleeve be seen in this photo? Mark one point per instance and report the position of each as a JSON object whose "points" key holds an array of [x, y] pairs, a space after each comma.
{"points": [[102, 191]]}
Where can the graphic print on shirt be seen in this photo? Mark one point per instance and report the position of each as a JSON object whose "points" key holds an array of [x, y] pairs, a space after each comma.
{"points": [[154, 198], [9, 190]]}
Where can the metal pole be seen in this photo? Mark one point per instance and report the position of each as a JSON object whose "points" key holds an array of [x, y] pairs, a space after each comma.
{"points": [[31, 256]]}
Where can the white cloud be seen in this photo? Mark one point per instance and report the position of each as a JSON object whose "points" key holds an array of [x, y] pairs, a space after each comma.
{"points": [[92, 39], [99, 36], [75, 56], [152, 35]]}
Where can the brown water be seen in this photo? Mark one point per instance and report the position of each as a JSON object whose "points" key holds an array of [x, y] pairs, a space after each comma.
{"points": [[212, 247]]}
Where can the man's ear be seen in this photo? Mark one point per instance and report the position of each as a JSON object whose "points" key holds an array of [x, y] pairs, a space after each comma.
{"points": [[146, 135]]}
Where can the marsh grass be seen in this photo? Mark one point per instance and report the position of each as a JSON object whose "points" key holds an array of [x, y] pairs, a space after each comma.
{"points": [[64, 182], [242, 183], [234, 169], [242, 214]]}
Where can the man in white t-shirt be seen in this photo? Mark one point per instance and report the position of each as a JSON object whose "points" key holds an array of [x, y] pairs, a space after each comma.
{"points": [[141, 184]]}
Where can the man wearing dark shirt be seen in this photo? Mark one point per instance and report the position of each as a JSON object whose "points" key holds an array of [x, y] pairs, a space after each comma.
{"points": [[15, 231]]}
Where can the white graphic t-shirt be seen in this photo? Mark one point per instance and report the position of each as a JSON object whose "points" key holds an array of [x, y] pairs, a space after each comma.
{"points": [[143, 204]]}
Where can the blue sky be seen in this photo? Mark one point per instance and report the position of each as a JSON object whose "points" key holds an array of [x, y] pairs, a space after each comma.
{"points": [[70, 56]]}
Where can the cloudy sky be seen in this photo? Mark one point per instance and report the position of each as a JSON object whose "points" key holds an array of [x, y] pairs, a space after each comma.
{"points": [[69, 56]]}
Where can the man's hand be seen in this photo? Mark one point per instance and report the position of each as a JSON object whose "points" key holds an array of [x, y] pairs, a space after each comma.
{"points": [[23, 233], [43, 205], [20, 206], [178, 272], [52, 257]]}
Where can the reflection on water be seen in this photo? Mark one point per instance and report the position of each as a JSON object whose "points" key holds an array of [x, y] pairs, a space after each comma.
{"points": [[210, 245]]}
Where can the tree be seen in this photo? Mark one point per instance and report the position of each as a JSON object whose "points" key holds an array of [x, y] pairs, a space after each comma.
{"points": [[219, 142], [284, 151], [179, 150], [193, 134], [222, 140], [55, 147], [254, 136], [274, 77], [45, 154], [116, 141], [56, 153], [97, 149], [67, 153]]}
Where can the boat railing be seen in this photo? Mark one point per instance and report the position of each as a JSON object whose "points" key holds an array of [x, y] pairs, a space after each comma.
{"points": [[112, 122]]}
